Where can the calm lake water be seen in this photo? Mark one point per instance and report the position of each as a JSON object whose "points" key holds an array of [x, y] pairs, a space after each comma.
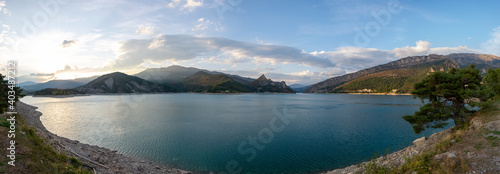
{"points": [[262, 133]]}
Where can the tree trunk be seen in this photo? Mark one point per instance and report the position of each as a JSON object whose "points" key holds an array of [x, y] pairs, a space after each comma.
{"points": [[456, 116]]}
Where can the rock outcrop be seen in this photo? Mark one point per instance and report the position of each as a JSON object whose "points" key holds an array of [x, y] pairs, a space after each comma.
{"points": [[263, 84]]}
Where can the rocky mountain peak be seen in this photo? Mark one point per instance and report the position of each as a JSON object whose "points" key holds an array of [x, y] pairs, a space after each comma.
{"points": [[262, 78], [263, 84]]}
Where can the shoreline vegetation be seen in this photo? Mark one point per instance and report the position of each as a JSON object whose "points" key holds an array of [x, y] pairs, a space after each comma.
{"points": [[80, 95], [378, 93]]}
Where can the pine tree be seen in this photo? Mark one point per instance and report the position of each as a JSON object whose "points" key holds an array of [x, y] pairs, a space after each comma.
{"points": [[450, 95], [5, 87]]}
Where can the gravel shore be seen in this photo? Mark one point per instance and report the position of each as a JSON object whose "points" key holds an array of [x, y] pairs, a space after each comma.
{"points": [[101, 160]]}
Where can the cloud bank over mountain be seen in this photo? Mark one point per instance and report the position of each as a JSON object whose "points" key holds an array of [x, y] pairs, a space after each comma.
{"points": [[177, 48]]}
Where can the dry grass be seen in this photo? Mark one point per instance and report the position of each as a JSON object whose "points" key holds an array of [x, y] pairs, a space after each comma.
{"points": [[33, 155]]}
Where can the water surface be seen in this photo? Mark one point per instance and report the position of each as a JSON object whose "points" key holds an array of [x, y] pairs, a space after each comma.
{"points": [[204, 132]]}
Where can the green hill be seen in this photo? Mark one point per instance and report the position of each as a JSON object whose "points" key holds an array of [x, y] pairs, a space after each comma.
{"points": [[400, 75], [393, 81]]}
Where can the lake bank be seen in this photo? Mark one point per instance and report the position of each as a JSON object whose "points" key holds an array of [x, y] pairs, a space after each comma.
{"points": [[102, 160], [473, 149]]}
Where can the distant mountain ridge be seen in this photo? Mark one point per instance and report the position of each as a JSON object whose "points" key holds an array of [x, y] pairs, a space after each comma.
{"points": [[173, 79], [57, 84], [458, 60], [118, 82], [176, 73], [299, 87]]}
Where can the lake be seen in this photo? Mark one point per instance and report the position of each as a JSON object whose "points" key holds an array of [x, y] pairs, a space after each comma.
{"points": [[261, 133]]}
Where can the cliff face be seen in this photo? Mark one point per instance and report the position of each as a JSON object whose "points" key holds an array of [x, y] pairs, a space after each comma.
{"points": [[329, 84], [482, 61]]}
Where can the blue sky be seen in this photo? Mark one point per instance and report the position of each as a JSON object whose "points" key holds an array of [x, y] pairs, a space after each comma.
{"points": [[297, 41]]}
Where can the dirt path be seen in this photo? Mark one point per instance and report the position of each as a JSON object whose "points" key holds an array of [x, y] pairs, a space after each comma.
{"points": [[480, 146]]}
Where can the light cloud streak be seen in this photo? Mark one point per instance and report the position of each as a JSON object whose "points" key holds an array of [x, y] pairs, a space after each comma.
{"points": [[492, 45], [144, 30], [189, 5]]}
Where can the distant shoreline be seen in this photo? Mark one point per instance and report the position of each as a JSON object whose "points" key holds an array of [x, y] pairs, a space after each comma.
{"points": [[380, 93], [62, 96], [80, 95]]}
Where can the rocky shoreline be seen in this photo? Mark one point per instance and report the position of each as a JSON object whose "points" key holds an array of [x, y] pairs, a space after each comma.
{"points": [[399, 157], [101, 160]]}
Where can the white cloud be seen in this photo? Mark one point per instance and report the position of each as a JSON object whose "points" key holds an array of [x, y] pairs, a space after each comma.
{"points": [[189, 5], [492, 45], [192, 4], [185, 47], [143, 30], [204, 24], [356, 58], [157, 42], [449, 50], [3, 9], [217, 50], [422, 48]]}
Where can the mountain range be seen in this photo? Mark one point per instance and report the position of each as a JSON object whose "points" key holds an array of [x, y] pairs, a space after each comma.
{"points": [[160, 80], [177, 73], [399, 76], [57, 84]]}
